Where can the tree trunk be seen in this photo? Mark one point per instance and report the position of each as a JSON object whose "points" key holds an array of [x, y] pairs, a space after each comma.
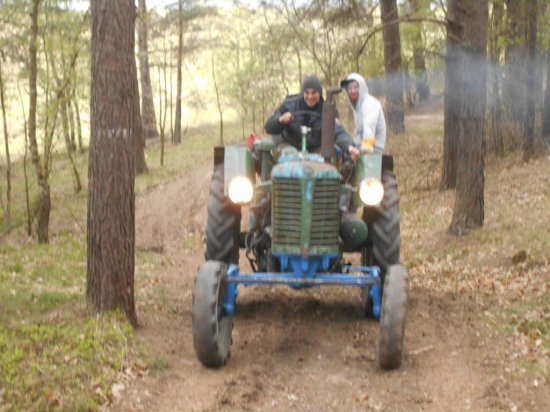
{"points": [[25, 157], [148, 118], [44, 203], [78, 122], [139, 141], [70, 117], [68, 142], [514, 85], [452, 98], [471, 16], [393, 66], [115, 125], [420, 74], [171, 94], [531, 92], [495, 102], [546, 107], [7, 147], [217, 90], [177, 127]]}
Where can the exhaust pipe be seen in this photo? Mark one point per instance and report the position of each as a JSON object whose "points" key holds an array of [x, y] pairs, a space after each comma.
{"points": [[329, 125]]}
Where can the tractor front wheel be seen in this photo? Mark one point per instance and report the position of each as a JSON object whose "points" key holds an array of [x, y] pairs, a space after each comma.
{"points": [[392, 319], [212, 327]]}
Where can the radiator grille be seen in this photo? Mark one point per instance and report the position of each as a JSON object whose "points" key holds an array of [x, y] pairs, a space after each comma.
{"points": [[287, 213], [324, 222]]}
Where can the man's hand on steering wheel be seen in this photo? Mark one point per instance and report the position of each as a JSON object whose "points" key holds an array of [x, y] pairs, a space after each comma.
{"points": [[285, 118], [354, 152]]}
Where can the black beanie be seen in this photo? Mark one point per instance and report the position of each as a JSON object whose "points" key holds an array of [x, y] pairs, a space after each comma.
{"points": [[312, 82]]}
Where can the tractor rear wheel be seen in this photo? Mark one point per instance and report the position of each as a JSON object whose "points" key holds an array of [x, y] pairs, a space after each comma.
{"points": [[392, 319], [384, 239], [224, 223], [212, 327]]}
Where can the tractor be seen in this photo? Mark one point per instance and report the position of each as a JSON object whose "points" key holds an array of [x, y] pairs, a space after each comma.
{"points": [[298, 231]]}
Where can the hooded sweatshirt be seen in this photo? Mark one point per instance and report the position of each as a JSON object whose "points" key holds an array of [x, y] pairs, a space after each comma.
{"points": [[367, 115]]}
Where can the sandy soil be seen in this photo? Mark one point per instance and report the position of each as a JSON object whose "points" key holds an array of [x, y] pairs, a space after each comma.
{"points": [[312, 349]]}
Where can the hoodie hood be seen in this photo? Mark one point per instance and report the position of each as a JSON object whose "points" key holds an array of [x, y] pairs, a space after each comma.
{"points": [[363, 89]]}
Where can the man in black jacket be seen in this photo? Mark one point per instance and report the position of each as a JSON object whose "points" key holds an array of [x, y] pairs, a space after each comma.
{"points": [[306, 110]]}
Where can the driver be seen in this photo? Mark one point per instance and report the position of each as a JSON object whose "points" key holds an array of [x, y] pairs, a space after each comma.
{"points": [[305, 109]]}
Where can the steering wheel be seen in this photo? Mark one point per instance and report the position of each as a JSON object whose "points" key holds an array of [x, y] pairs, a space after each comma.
{"points": [[302, 112]]}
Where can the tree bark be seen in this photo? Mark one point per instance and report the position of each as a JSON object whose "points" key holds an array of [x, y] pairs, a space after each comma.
{"points": [[217, 90], [531, 92], [139, 141], [514, 85], [496, 117], [74, 101], [68, 142], [148, 117], [393, 66], [546, 107], [452, 98], [471, 16], [115, 125], [44, 203], [421, 76], [25, 157], [6, 146], [70, 118], [177, 127]]}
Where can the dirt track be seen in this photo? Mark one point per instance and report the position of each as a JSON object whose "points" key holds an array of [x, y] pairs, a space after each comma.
{"points": [[310, 350]]}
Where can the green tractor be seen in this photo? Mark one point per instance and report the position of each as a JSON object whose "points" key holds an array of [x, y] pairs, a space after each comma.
{"points": [[297, 234]]}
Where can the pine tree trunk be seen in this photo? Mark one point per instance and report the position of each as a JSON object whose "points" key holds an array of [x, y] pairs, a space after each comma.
{"points": [[452, 99], [421, 76], [496, 117], [44, 204], [115, 125], [471, 17], [531, 92], [546, 107], [177, 127], [514, 84], [139, 141], [148, 117], [393, 66], [6, 146]]}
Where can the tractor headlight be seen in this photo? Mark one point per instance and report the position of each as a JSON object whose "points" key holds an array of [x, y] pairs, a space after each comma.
{"points": [[240, 190], [371, 191]]}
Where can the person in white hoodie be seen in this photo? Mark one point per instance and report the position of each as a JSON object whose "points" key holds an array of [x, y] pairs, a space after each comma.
{"points": [[370, 124]]}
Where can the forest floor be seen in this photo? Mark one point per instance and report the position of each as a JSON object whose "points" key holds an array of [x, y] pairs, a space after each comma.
{"points": [[478, 327]]}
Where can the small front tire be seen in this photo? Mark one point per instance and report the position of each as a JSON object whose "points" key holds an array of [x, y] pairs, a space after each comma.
{"points": [[212, 327], [392, 319]]}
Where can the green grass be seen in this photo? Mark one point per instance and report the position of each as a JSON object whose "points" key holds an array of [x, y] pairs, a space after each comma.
{"points": [[61, 363]]}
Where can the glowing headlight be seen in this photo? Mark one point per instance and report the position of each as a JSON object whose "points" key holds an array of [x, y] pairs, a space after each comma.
{"points": [[371, 191], [240, 190]]}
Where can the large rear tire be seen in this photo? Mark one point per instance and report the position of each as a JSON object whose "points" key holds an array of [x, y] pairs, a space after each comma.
{"points": [[212, 327], [392, 319], [224, 223], [384, 239]]}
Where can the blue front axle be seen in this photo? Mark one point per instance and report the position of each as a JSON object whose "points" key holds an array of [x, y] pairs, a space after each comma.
{"points": [[364, 276]]}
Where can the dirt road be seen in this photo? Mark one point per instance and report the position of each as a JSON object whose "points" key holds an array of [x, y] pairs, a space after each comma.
{"points": [[312, 349]]}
